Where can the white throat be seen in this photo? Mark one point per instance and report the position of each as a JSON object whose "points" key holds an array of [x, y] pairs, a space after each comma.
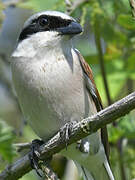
{"points": [[43, 43]]}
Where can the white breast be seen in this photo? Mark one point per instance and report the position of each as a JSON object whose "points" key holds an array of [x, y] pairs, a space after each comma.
{"points": [[51, 91]]}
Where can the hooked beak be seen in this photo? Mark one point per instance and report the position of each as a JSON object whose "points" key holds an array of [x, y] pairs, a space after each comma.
{"points": [[72, 29]]}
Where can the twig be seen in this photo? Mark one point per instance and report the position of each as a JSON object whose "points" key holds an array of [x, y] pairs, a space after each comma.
{"points": [[71, 6], [21, 146], [92, 124], [132, 5]]}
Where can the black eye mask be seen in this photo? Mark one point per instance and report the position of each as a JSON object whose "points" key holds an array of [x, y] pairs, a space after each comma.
{"points": [[44, 23]]}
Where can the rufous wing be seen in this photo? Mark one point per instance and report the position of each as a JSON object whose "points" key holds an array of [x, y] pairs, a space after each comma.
{"points": [[91, 86]]}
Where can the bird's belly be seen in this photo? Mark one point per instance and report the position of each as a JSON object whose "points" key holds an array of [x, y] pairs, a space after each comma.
{"points": [[50, 96]]}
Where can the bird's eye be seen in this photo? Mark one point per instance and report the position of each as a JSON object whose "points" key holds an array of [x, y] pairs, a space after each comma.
{"points": [[43, 21]]}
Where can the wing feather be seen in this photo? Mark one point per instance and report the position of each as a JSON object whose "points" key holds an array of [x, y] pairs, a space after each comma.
{"points": [[91, 86]]}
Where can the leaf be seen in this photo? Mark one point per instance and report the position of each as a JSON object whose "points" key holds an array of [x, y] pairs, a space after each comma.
{"points": [[114, 133], [126, 21], [112, 52], [125, 128], [113, 35], [7, 150], [131, 62], [127, 124], [131, 74], [116, 77]]}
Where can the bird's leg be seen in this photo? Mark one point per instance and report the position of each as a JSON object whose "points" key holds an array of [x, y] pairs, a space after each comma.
{"points": [[34, 155], [66, 130]]}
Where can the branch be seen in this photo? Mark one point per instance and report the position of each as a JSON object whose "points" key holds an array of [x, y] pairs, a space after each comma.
{"points": [[21, 146], [91, 125], [71, 6]]}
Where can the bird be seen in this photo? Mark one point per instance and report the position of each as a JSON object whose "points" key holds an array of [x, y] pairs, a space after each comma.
{"points": [[55, 86]]}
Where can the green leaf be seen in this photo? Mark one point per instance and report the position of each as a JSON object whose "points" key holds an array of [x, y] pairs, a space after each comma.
{"points": [[114, 133], [112, 52], [131, 62], [126, 21], [116, 77], [127, 124], [125, 128], [113, 35], [7, 150]]}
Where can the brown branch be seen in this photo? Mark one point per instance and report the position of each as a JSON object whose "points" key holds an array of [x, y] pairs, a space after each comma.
{"points": [[92, 124]]}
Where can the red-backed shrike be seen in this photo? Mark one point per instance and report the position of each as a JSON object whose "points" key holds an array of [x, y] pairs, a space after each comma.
{"points": [[55, 85]]}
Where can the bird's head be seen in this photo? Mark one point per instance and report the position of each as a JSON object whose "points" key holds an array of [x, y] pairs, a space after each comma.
{"points": [[49, 26], [46, 29]]}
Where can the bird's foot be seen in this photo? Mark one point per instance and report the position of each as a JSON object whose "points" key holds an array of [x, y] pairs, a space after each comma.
{"points": [[34, 155], [66, 130]]}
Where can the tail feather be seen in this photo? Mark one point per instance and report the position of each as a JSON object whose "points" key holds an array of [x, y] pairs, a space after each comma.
{"points": [[92, 165], [83, 172], [86, 174], [102, 173]]}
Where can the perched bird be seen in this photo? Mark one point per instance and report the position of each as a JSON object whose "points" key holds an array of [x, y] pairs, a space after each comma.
{"points": [[55, 85]]}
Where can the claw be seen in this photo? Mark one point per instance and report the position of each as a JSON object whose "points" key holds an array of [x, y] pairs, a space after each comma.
{"points": [[65, 132], [34, 155]]}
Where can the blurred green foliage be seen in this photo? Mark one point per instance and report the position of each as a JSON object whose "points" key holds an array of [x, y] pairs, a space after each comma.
{"points": [[43, 5], [113, 22], [7, 137]]}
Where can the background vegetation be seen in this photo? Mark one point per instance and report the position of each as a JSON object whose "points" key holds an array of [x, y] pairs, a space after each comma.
{"points": [[108, 45]]}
